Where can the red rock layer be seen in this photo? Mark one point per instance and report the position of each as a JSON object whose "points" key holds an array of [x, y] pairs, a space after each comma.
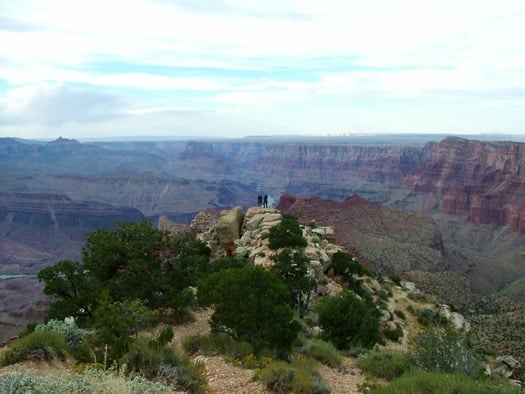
{"points": [[484, 181]]}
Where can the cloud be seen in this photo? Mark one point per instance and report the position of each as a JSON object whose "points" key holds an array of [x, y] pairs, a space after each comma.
{"points": [[58, 104], [169, 59], [241, 8], [11, 24]]}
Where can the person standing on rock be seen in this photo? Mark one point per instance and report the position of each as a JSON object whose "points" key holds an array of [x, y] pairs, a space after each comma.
{"points": [[259, 200], [265, 204]]}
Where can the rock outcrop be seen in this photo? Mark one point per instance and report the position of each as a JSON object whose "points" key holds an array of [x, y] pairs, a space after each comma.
{"points": [[204, 220], [228, 228], [253, 245]]}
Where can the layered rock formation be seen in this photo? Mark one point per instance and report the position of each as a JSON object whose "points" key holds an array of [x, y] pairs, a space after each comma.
{"points": [[484, 181], [38, 229]]}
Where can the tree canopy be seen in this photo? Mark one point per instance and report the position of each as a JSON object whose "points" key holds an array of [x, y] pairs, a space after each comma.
{"points": [[251, 304], [132, 261]]}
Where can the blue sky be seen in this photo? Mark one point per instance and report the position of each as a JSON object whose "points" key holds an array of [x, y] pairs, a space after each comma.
{"points": [[231, 68]]}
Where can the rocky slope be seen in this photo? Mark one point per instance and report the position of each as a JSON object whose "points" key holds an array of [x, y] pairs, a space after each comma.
{"points": [[387, 239]]}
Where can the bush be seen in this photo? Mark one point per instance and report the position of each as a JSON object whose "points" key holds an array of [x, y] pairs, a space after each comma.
{"points": [[322, 351], [189, 375], [292, 268], [251, 304], [150, 358], [117, 322], [393, 335], [300, 377], [73, 335], [349, 322], [227, 262], [440, 383], [39, 345], [213, 344], [346, 265], [399, 313], [90, 381], [396, 279], [426, 316], [444, 350], [287, 233], [384, 364]]}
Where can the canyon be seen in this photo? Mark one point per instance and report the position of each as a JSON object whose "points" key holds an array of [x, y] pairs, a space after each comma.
{"points": [[459, 200]]}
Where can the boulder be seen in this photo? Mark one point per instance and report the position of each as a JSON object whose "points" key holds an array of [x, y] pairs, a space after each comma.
{"points": [[204, 221], [326, 232], [228, 228], [506, 366]]}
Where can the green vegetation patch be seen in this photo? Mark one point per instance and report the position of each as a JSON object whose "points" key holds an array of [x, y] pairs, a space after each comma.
{"points": [[439, 383], [348, 321], [384, 364], [287, 234], [298, 377], [90, 381], [37, 345]]}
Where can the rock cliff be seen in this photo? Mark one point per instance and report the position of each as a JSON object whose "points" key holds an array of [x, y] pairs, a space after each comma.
{"points": [[483, 181], [37, 229]]}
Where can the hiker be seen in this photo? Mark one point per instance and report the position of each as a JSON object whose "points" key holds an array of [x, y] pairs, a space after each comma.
{"points": [[259, 200], [265, 201]]}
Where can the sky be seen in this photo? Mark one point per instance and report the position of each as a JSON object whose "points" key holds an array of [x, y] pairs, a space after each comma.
{"points": [[234, 68]]}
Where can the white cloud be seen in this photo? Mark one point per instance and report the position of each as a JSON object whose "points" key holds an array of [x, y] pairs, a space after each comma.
{"points": [[57, 104], [411, 50]]}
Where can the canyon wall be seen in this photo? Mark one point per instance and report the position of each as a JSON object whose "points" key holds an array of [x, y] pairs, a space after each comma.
{"points": [[483, 181], [38, 229]]}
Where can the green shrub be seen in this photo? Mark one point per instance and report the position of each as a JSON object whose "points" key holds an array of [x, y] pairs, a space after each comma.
{"points": [[300, 377], [278, 376], [165, 336], [384, 364], [439, 383], [73, 335], [396, 279], [417, 296], [322, 351], [399, 313], [348, 321], [117, 322], [253, 305], [189, 376], [227, 262], [345, 264], [444, 350], [292, 268], [425, 316], [287, 233], [38, 345], [149, 358], [384, 295], [90, 381], [145, 357], [213, 344], [393, 335]]}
